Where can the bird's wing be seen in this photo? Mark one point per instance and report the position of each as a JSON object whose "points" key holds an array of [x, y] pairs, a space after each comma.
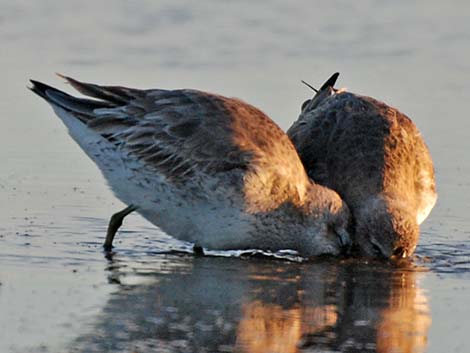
{"points": [[426, 187], [183, 132], [409, 164], [341, 142], [359, 146]]}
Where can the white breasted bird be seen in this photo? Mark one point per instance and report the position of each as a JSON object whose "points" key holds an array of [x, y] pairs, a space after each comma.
{"points": [[206, 169]]}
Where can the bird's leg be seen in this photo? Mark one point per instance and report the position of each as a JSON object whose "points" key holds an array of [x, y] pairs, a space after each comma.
{"points": [[114, 223], [198, 250]]}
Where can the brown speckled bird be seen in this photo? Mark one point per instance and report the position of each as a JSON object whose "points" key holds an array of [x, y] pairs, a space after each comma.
{"points": [[206, 169], [375, 158]]}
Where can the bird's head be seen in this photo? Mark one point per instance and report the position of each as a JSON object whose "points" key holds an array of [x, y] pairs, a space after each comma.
{"points": [[385, 229], [328, 223]]}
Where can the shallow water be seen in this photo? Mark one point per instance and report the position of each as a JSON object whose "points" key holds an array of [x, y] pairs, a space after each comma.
{"points": [[58, 292]]}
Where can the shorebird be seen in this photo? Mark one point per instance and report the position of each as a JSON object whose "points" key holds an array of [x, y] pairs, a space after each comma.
{"points": [[206, 169], [375, 158]]}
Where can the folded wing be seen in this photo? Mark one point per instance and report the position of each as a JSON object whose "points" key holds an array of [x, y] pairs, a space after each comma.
{"points": [[188, 134]]}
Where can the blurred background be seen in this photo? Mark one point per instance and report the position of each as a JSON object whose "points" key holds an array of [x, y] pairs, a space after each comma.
{"points": [[55, 205]]}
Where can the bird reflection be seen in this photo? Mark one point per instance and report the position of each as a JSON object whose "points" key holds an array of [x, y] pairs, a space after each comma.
{"points": [[361, 309], [403, 326], [271, 328], [188, 304]]}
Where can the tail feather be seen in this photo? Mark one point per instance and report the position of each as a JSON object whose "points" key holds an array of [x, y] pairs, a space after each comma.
{"points": [[41, 88], [114, 94], [81, 106], [330, 82]]}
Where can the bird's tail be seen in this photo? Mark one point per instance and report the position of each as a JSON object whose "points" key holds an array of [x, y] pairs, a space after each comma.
{"points": [[81, 108]]}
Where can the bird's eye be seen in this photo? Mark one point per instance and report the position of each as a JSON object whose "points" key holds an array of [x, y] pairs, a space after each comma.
{"points": [[304, 104]]}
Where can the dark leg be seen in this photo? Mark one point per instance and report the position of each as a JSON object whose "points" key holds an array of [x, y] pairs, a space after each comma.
{"points": [[114, 223], [198, 250]]}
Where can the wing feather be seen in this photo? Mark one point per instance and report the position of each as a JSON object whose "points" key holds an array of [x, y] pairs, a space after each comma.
{"points": [[188, 135], [359, 146], [173, 132]]}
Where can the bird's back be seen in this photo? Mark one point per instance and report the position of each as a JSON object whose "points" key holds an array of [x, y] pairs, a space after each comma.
{"points": [[362, 148], [186, 137]]}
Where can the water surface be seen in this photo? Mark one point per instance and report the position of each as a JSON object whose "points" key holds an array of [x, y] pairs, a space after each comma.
{"points": [[58, 291]]}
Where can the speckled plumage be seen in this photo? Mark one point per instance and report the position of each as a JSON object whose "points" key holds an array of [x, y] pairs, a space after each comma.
{"points": [[375, 158], [207, 169]]}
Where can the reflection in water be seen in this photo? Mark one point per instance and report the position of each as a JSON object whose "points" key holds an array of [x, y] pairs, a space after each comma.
{"points": [[257, 306], [270, 328], [403, 326]]}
